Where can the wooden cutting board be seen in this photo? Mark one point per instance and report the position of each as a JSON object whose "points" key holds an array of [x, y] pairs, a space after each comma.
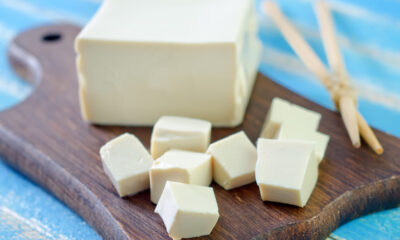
{"points": [[45, 138]]}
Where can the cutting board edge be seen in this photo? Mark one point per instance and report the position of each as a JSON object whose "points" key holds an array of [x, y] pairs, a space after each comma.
{"points": [[102, 221], [106, 225], [312, 224]]}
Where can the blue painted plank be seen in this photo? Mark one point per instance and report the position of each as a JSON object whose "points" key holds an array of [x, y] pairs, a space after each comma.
{"points": [[26, 211]]}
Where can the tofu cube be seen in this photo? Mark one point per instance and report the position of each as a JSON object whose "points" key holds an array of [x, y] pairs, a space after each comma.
{"points": [[286, 170], [179, 166], [277, 113], [284, 111], [187, 210], [183, 133], [126, 162], [290, 130], [234, 160], [304, 117], [138, 60]]}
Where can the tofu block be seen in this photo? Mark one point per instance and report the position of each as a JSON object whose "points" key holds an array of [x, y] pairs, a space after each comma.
{"points": [[284, 111], [187, 210], [234, 161], [290, 130], [286, 170], [126, 162], [138, 60], [179, 166], [183, 133]]}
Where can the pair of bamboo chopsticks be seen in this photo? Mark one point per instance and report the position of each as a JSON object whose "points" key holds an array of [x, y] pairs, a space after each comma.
{"points": [[336, 82]]}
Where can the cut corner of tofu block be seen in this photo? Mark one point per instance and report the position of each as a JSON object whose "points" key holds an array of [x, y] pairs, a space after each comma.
{"points": [[277, 111], [280, 194], [160, 176], [84, 109], [221, 176], [155, 151], [179, 166], [242, 180], [112, 179], [281, 101], [205, 223], [323, 142], [270, 129]]}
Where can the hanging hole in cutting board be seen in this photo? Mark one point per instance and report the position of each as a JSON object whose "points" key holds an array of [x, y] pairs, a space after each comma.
{"points": [[27, 54], [51, 37]]}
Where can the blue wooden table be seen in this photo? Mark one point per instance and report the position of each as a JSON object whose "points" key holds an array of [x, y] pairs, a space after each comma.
{"points": [[369, 35]]}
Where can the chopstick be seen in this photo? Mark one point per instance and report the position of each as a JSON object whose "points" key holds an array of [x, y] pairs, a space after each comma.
{"points": [[348, 111], [369, 135], [298, 44], [341, 92], [347, 106]]}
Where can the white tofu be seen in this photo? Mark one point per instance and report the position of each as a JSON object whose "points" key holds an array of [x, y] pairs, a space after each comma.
{"points": [[234, 160], [290, 130], [138, 60], [179, 166], [304, 117], [172, 132], [277, 113], [284, 111], [187, 210], [286, 170], [126, 162]]}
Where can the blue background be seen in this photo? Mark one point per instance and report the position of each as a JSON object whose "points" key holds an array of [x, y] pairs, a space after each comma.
{"points": [[369, 36]]}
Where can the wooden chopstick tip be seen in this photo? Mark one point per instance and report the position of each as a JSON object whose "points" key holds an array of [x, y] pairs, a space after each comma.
{"points": [[379, 150], [357, 144], [368, 135], [349, 116]]}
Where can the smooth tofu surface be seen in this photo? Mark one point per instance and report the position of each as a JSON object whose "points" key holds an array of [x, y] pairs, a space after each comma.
{"points": [[138, 60], [127, 163], [187, 210], [304, 117], [277, 113], [291, 130], [188, 21], [283, 111], [179, 166], [322, 143], [286, 170], [171, 132], [234, 160]]}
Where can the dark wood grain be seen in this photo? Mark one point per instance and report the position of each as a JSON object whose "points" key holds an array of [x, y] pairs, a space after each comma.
{"points": [[45, 138]]}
